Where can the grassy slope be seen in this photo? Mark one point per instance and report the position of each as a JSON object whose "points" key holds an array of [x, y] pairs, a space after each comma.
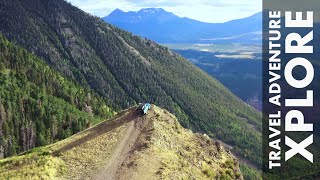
{"points": [[163, 149], [178, 153]]}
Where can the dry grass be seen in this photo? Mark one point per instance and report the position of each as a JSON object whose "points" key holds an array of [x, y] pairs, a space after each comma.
{"points": [[75, 163], [37, 164], [168, 151], [83, 160]]}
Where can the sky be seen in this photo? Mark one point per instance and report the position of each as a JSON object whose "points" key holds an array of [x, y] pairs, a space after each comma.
{"points": [[214, 11]]}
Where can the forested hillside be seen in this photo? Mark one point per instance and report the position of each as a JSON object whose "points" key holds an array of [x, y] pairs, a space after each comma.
{"points": [[125, 69], [37, 105]]}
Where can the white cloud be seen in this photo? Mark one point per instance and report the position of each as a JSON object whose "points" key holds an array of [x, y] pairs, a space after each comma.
{"points": [[203, 10]]}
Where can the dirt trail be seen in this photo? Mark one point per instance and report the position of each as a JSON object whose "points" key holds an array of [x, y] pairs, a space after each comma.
{"points": [[124, 148], [121, 119]]}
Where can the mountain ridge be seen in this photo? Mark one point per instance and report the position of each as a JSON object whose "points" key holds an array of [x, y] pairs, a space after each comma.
{"points": [[137, 147], [166, 27]]}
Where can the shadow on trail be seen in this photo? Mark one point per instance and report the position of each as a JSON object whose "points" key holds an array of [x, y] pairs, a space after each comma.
{"points": [[124, 117]]}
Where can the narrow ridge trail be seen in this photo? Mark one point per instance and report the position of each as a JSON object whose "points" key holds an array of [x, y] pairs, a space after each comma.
{"points": [[135, 124]]}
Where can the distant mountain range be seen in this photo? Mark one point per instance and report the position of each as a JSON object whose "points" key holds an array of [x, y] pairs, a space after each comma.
{"points": [[166, 27]]}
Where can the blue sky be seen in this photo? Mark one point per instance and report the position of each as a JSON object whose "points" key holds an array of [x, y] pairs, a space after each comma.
{"points": [[203, 10]]}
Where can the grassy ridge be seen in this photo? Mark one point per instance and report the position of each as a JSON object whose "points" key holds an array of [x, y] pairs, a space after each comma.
{"points": [[162, 150]]}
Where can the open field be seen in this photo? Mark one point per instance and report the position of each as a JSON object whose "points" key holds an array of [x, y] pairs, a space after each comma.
{"points": [[229, 48]]}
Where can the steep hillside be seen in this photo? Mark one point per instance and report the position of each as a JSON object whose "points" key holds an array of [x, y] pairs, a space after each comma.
{"points": [[37, 105], [125, 69], [130, 146], [166, 27]]}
